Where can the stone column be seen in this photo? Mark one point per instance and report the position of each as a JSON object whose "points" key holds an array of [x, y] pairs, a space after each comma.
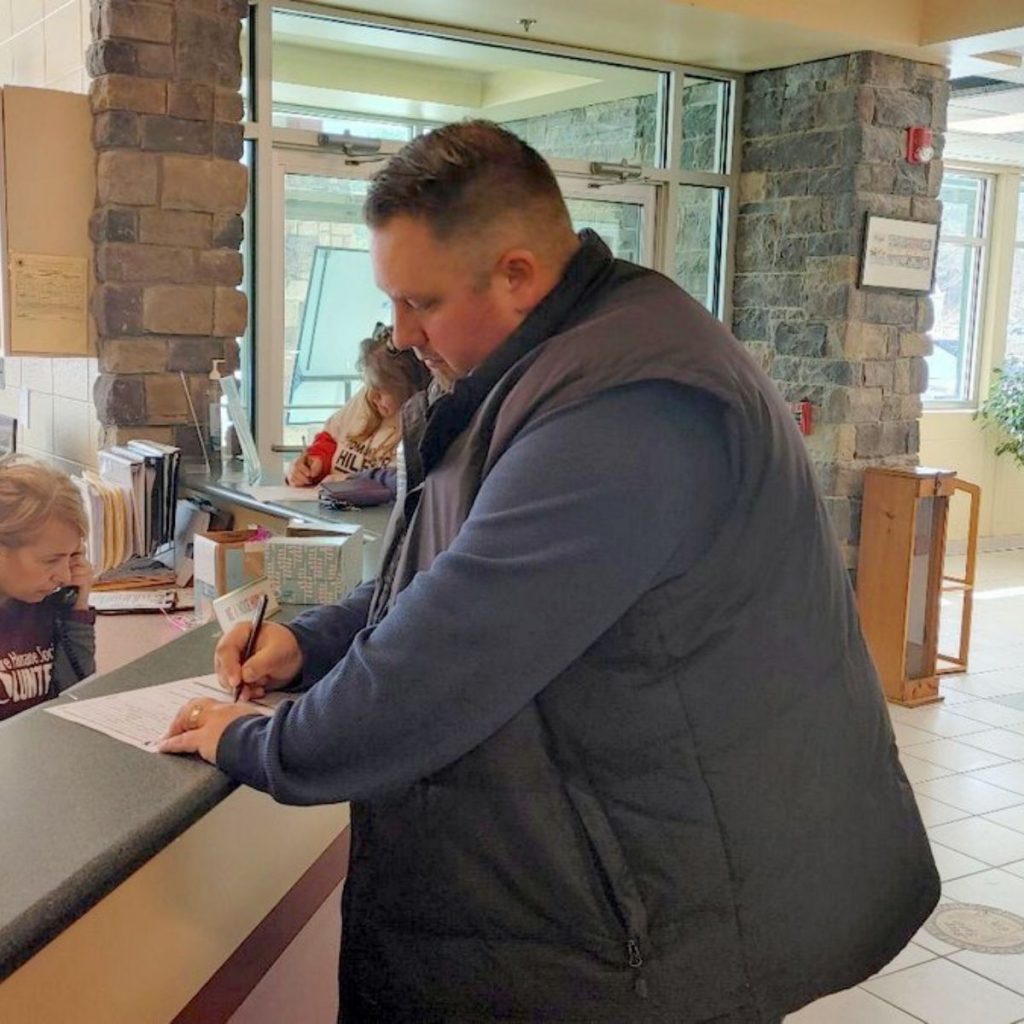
{"points": [[823, 145], [167, 227]]}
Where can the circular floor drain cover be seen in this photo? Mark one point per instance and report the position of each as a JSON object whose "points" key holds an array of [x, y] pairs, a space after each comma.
{"points": [[982, 929]]}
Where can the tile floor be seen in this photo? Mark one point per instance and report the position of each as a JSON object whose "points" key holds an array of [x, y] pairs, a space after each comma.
{"points": [[965, 760]]}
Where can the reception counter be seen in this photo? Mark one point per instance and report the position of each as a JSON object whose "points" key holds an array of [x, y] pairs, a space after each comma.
{"points": [[228, 491], [142, 887]]}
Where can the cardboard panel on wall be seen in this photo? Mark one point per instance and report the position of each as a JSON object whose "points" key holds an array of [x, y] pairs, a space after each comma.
{"points": [[48, 189]]}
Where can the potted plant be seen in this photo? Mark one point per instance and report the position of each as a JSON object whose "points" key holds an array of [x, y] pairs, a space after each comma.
{"points": [[1004, 408]]}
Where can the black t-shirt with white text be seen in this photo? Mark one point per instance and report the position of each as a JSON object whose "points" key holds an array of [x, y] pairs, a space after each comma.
{"points": [[26, 655]]}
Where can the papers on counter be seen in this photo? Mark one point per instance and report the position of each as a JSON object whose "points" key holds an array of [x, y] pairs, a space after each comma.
{"points": [[140, 717], [112, 602], [281, 493]]}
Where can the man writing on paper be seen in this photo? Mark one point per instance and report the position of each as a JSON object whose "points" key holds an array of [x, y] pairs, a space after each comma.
{"points": [[615, 747]]}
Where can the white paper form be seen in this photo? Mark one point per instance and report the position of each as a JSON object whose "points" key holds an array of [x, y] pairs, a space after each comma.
{"points": [[141, 717], [281, 493]]}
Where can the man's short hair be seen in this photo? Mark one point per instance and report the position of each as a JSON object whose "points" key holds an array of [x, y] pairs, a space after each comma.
{"points": [[462, 178]]}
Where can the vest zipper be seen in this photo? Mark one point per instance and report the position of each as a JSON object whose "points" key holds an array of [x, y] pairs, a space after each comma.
{"points": [[636, 961]]}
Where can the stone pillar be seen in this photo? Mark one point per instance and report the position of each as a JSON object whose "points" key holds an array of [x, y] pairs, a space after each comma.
{"points": [[166, 227], [823, 145]]}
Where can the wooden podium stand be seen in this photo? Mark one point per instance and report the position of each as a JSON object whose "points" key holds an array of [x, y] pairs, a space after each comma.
{"points": [[900, 576]]}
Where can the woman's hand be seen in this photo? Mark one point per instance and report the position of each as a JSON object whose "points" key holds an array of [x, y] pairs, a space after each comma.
{"points": [[81, 577], [305, 471], [199, 725]]}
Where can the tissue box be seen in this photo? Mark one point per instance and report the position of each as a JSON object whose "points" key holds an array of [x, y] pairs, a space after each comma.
{"points": [[315, 570], [224, 561]]}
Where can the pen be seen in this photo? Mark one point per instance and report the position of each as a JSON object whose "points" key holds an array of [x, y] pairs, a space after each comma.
{"points": [[254, 632]]}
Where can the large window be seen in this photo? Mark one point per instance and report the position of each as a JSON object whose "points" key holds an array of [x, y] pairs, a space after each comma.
{"points": [[959, 282], [1015, 320], [643, 152]]}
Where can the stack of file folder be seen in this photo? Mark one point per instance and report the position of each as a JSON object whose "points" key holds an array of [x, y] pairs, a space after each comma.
{"points": [[130, 502]]}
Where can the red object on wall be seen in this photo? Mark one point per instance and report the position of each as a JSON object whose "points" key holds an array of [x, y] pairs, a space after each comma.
{"points": [[803, 414], [920, 145]]}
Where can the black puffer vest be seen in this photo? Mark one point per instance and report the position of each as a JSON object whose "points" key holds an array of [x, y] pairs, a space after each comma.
{"points": [[702, 819]]}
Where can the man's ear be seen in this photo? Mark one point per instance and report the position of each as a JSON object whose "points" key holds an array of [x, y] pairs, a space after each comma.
{"points": [[519, 269]]}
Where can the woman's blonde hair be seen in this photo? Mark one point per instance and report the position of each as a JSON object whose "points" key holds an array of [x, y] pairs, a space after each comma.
{"points": [[31, 494], [397, 372]]}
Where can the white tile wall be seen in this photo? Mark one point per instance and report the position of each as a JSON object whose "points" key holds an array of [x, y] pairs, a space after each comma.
{"points": [[38, 433], [43, 43], [9, 402], [64, 48], [71, 380], [37, 374], [73, 427], [28, 53], [25, 13], [12, 372]]}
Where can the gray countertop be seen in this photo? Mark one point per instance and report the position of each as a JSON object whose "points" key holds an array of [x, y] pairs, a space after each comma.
{"points": [[80, 811], [229, 487]]}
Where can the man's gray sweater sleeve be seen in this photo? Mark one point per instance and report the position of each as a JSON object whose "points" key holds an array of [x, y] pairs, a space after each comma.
{"points": [[587, 510]]}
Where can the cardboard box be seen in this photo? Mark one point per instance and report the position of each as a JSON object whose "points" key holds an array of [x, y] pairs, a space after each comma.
{"points": [[224, 561], [315, 570]]}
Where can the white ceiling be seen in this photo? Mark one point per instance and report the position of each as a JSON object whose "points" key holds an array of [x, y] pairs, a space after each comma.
{"points": [[988, 126]]}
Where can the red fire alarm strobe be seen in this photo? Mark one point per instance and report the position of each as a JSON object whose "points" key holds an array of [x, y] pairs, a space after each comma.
{"points": [[803, 414], [920, 145]]}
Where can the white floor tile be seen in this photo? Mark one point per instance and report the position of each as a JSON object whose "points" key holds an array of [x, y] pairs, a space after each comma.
{"points": [[986, 684], [921, 771], [938, 720], [984, 840], [908, 735], [933, 945], [952, 864], [1016, 868], [941, 992], [969, 794], [1006, 776], [1005, 742], [1005, 969], [990, 713], [910, 956], [953, 698], [1011, 817], [995, 888], [854, 1006], [956, 755], [934, 812]]}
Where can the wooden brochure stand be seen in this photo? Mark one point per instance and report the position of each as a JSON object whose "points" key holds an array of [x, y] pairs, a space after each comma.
{"points": [[900, 576]]}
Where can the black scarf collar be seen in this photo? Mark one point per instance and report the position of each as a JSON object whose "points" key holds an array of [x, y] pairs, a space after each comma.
{"points": [[591, 268]]}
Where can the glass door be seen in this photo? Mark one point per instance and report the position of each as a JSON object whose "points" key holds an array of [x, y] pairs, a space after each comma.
{"points": [[324, 297], [623, 215], [326, 301]]}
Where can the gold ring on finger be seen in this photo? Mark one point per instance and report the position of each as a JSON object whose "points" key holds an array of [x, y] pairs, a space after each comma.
{"points": [[193, 716]]}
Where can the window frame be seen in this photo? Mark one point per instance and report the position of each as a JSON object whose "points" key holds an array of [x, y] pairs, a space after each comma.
{"points": [[1017, 252], [982, 246], [668, 176]]}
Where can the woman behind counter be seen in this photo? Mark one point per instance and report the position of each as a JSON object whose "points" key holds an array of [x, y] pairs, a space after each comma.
{"points": [[47, 632]]}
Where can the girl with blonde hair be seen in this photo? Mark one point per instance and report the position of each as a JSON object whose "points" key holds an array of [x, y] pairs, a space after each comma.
{"points": [[47, 630], [363, 435]]}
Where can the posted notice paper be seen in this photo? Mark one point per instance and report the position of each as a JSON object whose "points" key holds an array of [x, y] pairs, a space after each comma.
{"points": [[141, 717]]}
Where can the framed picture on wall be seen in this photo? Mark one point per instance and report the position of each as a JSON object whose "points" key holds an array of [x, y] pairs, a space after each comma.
{"points": [[898, 254]]}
